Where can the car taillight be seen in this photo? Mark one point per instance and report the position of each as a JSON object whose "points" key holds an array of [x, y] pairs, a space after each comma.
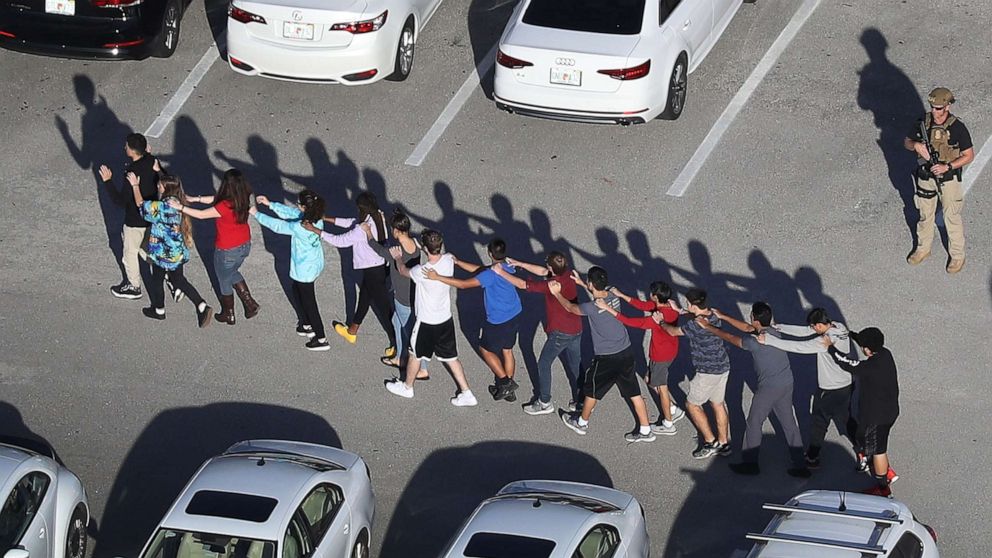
{"points": [[931, 531], [359, 27], [125, 44], [115, 3], [8, 34], [244, 16], [627, 74], [507, 61]]}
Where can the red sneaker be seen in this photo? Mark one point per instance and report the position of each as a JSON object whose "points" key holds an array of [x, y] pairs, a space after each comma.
{"points": [[878, 491], [891, 475]]}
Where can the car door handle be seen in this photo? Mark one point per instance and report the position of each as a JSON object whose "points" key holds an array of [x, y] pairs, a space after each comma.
{"points": [[687, 23], [41, 533]]}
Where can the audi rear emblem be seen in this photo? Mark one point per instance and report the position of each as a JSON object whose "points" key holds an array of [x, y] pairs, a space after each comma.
{"points": [[565, 61], [297, 15]]}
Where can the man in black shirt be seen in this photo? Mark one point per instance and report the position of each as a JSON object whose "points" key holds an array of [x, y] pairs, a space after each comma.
{"points": [[952, 142], [878, 404], [142, 164]]}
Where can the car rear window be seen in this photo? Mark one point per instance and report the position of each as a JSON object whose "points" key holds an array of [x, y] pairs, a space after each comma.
{"points": [[499, 545], [231, 505], [614, 17]]}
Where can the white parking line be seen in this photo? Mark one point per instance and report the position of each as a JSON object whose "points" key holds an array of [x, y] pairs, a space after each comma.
{"points": [[976, 166], [766, 63], [183, 93], [454, 105]]}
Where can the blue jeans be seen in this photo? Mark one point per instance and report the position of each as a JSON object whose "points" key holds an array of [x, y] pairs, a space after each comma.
{"points": [[402, 327], [226, 265], [571, 345]]}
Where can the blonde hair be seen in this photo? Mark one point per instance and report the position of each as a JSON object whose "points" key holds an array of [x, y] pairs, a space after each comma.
{"points": [[172, 187]]}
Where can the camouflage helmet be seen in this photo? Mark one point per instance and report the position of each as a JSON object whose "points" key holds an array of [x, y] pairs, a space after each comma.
{"points": [[941, 96]]}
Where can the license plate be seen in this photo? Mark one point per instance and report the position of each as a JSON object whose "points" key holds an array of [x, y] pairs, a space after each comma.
{"points": [[301, 31], [566, 76], [60, 7]]}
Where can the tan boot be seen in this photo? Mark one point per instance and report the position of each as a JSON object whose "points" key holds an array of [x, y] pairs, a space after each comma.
{"points": [[918, 256], [955, 265]]}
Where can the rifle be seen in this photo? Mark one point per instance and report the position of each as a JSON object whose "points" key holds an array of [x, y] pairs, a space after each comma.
{"points": [[927, 165]]}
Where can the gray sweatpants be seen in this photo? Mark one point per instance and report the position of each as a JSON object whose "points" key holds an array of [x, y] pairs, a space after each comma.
{"points": [[768, 399]]}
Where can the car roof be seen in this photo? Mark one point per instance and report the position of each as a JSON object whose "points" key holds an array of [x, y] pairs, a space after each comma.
{"points": [[278, 479], [836, 527]]}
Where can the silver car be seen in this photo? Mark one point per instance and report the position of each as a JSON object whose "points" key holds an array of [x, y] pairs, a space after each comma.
{"points": [[269, 499], [554, 519], [44, 512]]}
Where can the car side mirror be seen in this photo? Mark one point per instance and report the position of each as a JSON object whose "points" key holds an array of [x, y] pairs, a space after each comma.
{"points": [[17, 553]]}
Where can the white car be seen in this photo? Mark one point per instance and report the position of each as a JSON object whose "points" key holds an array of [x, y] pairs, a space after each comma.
{"points": [[44, 513], [608, 61], [831, 524], [326, 41], [554, 519], [271, 499]]}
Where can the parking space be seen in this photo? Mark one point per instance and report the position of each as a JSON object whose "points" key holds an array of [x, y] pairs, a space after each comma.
{"points": [[802, 202]]}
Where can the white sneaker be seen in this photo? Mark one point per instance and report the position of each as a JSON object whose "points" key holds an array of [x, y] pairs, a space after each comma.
{"points": [[397, 387], [677, 414], [463, 399]]}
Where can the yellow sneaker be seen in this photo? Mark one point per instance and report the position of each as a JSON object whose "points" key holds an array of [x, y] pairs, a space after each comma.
{"points": [[955, 265], [390, 352], [342, 330]]}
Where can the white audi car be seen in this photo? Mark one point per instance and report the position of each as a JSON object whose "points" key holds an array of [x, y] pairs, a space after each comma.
{"points": [[44, 512], [326, 41], [607, 61], [554, 519], [271, 499]]}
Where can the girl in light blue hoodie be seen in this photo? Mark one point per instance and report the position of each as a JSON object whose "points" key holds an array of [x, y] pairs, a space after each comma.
{"points": [[306, 258]]}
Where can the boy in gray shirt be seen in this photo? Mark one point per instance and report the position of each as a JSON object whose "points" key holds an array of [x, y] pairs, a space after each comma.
{"points": [[614, 359]]}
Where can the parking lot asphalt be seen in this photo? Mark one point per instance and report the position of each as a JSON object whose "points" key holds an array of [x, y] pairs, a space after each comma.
{"points": [[802, 203]]}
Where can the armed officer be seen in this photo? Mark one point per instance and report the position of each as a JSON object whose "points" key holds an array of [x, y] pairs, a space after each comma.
{"points": [[939, 178]]}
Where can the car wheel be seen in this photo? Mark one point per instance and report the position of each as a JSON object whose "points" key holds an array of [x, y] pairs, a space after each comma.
{"points": [[361, 549], [75, 537], [677, 89], [169, 36], [404, 53]]}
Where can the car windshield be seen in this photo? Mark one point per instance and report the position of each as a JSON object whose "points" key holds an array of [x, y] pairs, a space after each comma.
{"points": [[500, 545], [614, 17], [184, 544]]}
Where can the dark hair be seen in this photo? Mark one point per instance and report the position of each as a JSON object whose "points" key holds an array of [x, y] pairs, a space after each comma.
{"points": [[497, 248], [369, 206], [432, 241], [661, 290], [598, 278], [817, 316], [137, 143], [234, 188], [172, 187], [696, 297], [313, 206], [762, 312], [557, 262], [400, 221]]}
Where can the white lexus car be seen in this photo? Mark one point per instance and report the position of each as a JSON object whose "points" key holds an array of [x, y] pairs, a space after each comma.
{"points": [[44, 512], [271, 499], [554, 519], [326, 41], [608, 61]]}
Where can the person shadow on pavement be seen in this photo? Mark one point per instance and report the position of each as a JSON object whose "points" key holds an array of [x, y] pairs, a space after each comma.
{"points": [[451, 482], [103, 136], [164, 457], [888, 93]]}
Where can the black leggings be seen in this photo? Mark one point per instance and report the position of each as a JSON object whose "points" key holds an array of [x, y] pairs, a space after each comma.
{"points": [[307, 312], [156, 291], [375, 290]]}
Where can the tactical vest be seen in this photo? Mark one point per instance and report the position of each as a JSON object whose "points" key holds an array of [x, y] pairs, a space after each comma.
{"points": [[940, 137]]}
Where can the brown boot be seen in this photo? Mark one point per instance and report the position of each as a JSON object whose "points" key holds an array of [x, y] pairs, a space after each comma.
{"points": [[251, 307], [918, 256], [226, 314]]}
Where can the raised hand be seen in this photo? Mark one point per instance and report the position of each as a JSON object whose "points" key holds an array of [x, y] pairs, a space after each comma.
{"points": [[601, 304], [554, 287], [174, 203], [367, 227], [577, 278], [156, 166], [133, 179], [105, 173], [430, 273], [396, 252], [826, 341], [310, 227], [264, 200]]}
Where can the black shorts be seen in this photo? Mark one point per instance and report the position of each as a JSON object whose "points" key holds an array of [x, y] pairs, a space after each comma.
{"points": [[607, 370], [876, 439], [434, 340], [499, 337]]}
